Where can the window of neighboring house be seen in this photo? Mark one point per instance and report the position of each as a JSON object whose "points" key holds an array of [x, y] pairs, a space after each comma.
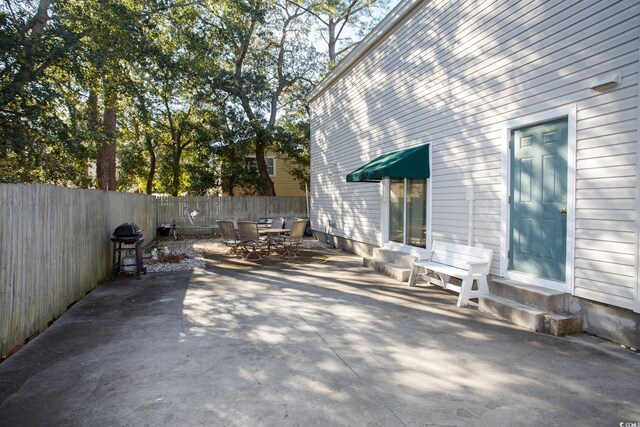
{"points": [[271, 164]]}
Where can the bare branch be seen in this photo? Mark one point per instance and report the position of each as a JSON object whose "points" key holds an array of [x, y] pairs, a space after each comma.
{"points": [[308, 11], [344, 49], [346, 16]]}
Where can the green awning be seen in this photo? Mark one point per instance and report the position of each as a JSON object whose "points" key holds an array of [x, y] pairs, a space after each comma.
{"points": [[410, 163]]}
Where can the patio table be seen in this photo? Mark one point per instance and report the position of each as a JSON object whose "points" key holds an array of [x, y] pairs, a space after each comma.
{"points": [[274, 230], [270, 232]]}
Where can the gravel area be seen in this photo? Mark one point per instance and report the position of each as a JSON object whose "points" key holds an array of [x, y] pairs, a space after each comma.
{"points": [[166, 251]]}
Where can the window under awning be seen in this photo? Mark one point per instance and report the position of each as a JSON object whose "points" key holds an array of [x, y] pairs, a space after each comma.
{"points": [[410, 163]]}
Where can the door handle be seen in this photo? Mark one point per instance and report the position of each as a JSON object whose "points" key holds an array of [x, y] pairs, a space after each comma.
{"points": [[563, 211]]}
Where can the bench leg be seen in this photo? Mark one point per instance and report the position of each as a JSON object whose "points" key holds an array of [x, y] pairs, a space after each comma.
{"points": [[483, 286], [414, 275], [465, 291]]}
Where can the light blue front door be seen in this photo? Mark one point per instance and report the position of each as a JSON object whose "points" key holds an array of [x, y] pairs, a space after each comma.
{"points": [[538, 235]]}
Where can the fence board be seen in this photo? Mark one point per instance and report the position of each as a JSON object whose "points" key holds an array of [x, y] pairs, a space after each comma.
{"points": [[54, 248], [215, 208]]}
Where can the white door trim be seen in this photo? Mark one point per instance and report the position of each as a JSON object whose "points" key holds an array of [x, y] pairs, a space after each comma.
{"points": [[570, 112], [636, 303]]}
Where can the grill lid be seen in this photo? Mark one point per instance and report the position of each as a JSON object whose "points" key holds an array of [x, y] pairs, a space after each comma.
{"points": [[127, 229]]}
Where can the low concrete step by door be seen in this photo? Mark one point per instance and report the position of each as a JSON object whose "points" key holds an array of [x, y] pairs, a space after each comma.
{"points": [[535, 296], [523, 315], [401, 259], [532, 307], [394, 264]]}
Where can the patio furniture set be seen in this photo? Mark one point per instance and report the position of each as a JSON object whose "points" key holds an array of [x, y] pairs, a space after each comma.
{"points": [[253, 239]]}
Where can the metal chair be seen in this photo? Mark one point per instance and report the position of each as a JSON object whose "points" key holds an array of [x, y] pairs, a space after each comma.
{"points": [[264, 222], [229, 235], [288, 223], [250, 239], [277, 239], [277, 223], [293, 241]]}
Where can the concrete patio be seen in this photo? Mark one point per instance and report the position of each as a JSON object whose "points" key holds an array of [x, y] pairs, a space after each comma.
{"points": [[327, 343]]}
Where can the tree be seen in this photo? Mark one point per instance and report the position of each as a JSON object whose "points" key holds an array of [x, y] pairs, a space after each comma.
{"points": [[28, 50], [179, 92], [267, 62], [59, 49], [340, 17], [168, 96], [116, 31], [36, 118]]}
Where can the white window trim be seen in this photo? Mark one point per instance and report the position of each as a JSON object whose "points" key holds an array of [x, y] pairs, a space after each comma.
{"points": [[274, 164], [570, 112], [384, 212], [384, 220], [267, 157]]}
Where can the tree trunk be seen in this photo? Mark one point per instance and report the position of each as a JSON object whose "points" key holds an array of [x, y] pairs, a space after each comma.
{"points": [[92, 103], [152, 163], [332, 43], [106, 161], [176, 170], [39, 21], [93, 128], [262, 170], [28, 72]]}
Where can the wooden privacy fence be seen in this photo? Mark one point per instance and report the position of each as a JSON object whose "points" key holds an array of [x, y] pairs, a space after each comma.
{"points": [[55, 243], [55, 247], [214, 208]]}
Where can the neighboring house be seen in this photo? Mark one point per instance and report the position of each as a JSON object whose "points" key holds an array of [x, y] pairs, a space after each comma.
{"points": [[285, 184], [524, 121]]}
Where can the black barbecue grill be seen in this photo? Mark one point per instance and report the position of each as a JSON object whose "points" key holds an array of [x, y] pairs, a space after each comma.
{"points": [[127, 239]]}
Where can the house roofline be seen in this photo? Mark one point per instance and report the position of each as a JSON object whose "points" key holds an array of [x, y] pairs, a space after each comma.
{"points": [[393, 18]]}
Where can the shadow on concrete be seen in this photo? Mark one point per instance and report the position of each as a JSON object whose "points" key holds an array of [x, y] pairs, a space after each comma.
{"points": [[329, 343]]}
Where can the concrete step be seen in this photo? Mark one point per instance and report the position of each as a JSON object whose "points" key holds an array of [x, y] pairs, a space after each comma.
{"points": [[545, 299], [528, 317], [387, 268], [563, 324], [401, 259]]}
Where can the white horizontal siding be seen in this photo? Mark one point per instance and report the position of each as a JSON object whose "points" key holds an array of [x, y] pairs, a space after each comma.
{"points": [[451, 74], [476, 101]]}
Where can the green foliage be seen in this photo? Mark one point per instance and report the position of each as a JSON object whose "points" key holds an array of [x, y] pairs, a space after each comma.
{"points": [[185, 90]]}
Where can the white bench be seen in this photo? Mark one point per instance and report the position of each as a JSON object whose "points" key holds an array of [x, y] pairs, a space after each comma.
{"points": [[446, 260]]}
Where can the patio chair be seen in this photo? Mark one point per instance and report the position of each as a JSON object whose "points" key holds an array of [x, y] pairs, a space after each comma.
{"points": [[277, 223], [288, 223], [293, 241], [250, 239], [277, 239], [229, 235], [264, 222]]}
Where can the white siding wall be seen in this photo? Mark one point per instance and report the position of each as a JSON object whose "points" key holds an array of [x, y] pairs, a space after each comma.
{"points": [[451, 74]]}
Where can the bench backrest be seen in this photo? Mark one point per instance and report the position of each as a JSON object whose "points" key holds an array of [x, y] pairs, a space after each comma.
{"points": [[460, 255]]}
